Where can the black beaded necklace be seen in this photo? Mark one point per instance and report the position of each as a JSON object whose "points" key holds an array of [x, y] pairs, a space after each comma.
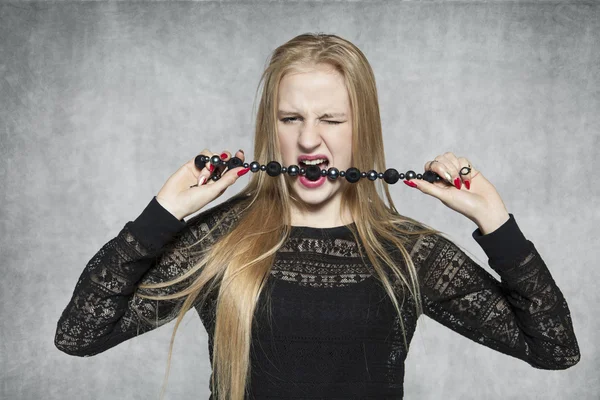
{"points": [[313, 172]]}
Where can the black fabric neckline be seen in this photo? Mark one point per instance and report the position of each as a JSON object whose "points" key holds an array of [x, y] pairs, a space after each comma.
{"points": [[311, 231]]}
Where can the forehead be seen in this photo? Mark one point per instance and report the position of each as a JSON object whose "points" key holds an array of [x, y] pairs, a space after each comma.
{"points": [[315, 91], [312, 80]]}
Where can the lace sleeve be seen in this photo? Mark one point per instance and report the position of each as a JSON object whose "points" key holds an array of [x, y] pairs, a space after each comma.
{"points": [[104, 309], [524, 316]]}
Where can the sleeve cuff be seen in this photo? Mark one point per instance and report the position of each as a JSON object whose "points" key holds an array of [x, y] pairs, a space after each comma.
{"points": [[505, 245], [156, 226]]}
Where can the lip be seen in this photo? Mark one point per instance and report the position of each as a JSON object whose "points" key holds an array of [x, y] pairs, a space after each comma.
{"points": [[310, 184]]}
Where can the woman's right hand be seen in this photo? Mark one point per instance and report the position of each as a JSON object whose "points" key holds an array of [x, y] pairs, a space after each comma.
{"points": [[181, 200]]}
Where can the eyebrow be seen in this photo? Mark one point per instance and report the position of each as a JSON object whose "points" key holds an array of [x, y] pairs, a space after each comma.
{"points": [[283, 113]]}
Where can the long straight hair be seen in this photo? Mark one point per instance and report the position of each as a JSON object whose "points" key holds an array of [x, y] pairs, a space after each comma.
{"points": [[238, 264]]}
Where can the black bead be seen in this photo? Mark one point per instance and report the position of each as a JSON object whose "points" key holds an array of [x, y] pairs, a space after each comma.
{"points": [[372, 175], [283, 170], [246, 165], [333, 173], [411, 175], [313, 173], [215, 160], [352, 175], [215, 177], [323, 172], [234, 162], [273, 168], [199, 162], [263, 167], [293, 170], [419, 176], [380, 175], [302, 171], [431, 176], [391, 176], [254, 166], [342, 174], [363, 174]]}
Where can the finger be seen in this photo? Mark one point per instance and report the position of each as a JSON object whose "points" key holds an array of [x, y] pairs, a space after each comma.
{"points": [[461, 175], [225, 155], [466, 178], [465, 171], [221, 184], [215, 171], [438, 166], [223, 169], [454, 167], [220, 169], [204, 172], [239, 154], [441, 192]]}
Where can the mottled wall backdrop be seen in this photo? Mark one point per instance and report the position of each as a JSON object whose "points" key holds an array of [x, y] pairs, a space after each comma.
{"points": [[101, 102]]}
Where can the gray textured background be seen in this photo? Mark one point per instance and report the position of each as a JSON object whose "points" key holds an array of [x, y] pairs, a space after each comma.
{"points": [[101, 102]]}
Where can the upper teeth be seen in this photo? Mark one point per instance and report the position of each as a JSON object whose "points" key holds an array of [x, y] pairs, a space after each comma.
{"points": [[313, 162]]}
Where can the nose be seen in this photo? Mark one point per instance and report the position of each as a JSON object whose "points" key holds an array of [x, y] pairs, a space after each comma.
{"points": [[309, 137]]}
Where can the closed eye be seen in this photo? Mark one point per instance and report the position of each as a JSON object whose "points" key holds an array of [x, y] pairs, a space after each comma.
{"points": [[288, 121]]}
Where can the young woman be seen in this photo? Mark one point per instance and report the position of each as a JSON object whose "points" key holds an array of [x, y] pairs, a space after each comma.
{"points": [[312, 289]]}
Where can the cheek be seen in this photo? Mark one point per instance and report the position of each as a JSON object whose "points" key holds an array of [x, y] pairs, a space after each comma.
{"points": [[286, 150]]}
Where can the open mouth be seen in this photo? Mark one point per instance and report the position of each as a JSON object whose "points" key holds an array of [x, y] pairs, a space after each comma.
{"points": [[323, 165]]}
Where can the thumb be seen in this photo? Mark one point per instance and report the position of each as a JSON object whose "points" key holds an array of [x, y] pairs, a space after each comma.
{"points": [[439, 190]]}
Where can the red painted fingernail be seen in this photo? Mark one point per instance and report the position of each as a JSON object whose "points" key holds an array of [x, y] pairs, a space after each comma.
{"points": [[243, 171], [411, 184], [468, 185], [212, 168], [223, 156], [457, 183]]}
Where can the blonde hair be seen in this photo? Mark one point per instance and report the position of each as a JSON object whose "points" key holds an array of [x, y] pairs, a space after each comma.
{"points": [[240, 261]]}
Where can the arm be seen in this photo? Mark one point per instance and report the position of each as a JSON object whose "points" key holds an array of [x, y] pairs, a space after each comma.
{"points": [[104, 309], [525, 315]]}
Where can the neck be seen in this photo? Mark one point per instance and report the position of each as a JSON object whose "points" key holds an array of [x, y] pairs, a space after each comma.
{"points": [[321, 216]]}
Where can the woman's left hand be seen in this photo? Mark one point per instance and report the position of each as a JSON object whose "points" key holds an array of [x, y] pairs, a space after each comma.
{"points": [[474, 203]]}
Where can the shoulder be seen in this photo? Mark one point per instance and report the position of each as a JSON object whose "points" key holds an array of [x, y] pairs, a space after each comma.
{"points": [[412, 232], [418, 239]]}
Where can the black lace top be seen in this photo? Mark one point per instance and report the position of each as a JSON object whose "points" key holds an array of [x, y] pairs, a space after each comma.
{"points": [[333, 331]]}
